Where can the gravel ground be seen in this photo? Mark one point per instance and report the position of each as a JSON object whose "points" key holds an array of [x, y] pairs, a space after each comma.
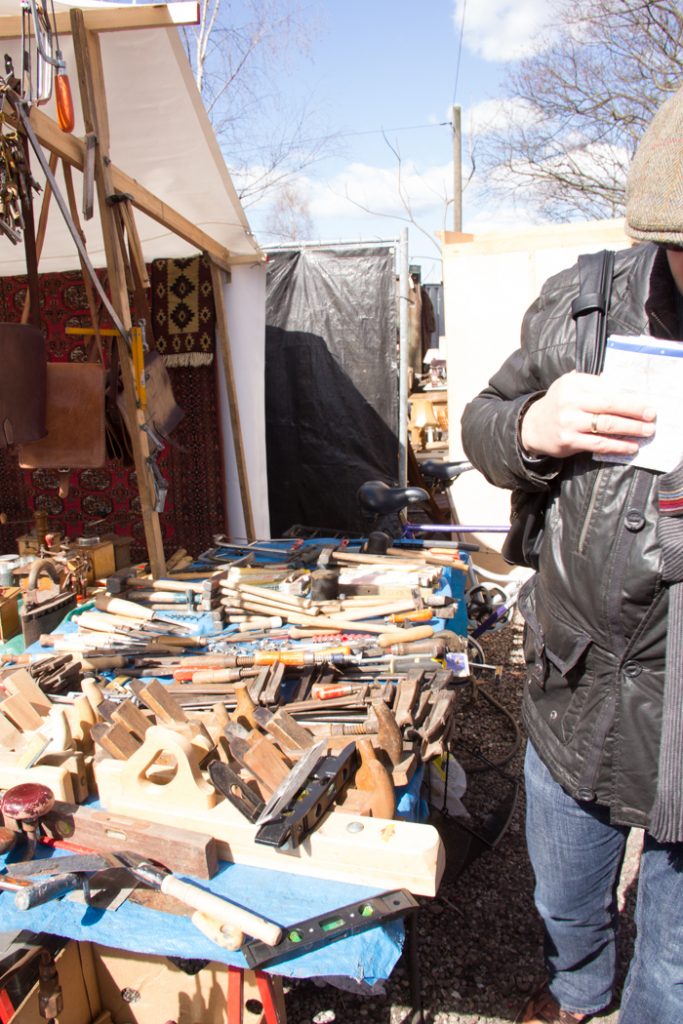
{"points": [[479, 938]]}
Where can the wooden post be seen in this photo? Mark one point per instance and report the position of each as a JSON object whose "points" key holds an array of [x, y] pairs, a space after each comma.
{"points": [[217, 279], [93, 103]]}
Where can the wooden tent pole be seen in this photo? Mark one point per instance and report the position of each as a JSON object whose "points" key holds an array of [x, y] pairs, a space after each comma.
{"points": [[217, 280], [93, 103]]}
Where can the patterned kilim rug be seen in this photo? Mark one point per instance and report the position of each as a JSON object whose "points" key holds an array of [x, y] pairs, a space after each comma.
{"points": [[183, 311], [105, 500]]}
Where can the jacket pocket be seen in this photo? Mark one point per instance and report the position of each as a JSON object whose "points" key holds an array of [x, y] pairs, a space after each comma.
{"points": [[558, 681]]}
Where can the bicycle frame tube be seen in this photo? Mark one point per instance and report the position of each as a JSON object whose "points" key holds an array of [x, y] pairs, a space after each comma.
{"points": [[411, 529]]}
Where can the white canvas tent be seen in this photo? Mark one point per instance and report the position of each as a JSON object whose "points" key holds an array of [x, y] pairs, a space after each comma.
{"points": [[164, 155]]}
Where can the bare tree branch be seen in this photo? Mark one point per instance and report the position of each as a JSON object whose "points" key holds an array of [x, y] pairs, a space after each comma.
{"points": [[577, 108], [238, 62]]}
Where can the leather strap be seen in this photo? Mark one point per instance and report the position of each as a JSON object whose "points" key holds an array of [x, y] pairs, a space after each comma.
{"points": [[590, 307]]}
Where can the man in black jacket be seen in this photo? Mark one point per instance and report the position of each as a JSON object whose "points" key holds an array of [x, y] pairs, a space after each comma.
{"points": [[603, 704]]}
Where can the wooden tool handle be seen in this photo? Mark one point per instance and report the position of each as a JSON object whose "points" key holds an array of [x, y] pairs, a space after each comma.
{"points": [[222, 910], [222, 934], [119, 606], [405, 636]]}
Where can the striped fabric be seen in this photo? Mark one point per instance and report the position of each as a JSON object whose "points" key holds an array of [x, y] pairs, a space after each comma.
{"points": [[666, 819]]}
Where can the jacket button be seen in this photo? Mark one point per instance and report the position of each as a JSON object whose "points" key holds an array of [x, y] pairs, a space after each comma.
{"points": [[552, 716], [632, 669], [635, 520], [585, 794]]}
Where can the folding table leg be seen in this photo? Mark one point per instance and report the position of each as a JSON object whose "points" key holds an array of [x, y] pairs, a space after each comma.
{"points": [[254, 997], [272, 997]]}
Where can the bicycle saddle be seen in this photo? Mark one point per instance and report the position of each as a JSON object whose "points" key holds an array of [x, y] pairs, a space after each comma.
{"points": [[377, 497], [444, 470]]}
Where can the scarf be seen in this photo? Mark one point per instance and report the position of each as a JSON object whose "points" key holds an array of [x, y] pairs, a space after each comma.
{"points": [[666, 817]]}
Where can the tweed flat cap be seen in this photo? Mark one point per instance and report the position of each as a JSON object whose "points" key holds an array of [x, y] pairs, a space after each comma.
{"points": [[654, 190]]}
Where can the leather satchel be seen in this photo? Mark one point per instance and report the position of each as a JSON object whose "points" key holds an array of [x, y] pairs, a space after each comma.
{"points": [[23, 384], [74, 420], [522, 544]]}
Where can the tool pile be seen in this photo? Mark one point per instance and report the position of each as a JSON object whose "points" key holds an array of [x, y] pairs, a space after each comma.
{"points": [[272, 710]]}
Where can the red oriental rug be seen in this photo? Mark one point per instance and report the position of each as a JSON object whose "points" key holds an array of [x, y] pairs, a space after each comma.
{"points": [[105, 500]]}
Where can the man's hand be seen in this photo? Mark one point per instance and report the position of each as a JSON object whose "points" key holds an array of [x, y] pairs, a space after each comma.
{"points": [[582, 413]]}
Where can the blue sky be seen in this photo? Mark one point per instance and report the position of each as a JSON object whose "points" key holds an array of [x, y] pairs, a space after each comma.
{"points": [[392, 66]]}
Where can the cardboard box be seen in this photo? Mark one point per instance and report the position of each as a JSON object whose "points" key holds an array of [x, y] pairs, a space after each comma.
{"points": [[122, 546], [101, 558], [102, 985]]}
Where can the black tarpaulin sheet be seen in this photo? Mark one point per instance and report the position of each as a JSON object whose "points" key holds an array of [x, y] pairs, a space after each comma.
{"points": [[331, 383]]}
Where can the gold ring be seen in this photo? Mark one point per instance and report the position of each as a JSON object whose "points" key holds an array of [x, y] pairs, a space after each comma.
{"points": [[594, 423]]}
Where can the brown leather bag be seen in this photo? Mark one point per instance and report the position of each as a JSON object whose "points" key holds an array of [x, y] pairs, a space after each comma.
{"points": [[75, 420], [23, 382]]}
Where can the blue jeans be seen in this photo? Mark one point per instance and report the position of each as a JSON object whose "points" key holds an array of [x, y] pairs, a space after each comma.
{"points": [[577, 856]]}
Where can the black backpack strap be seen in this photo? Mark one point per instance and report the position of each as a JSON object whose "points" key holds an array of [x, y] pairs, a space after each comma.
{"points": [[589, 309]]}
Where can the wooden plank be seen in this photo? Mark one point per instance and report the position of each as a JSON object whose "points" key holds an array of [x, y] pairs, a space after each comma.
{"points": [[179, 849], [94, 106]]}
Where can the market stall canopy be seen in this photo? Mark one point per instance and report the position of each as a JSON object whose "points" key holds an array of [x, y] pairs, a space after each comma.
{"points": [[162, 146]]}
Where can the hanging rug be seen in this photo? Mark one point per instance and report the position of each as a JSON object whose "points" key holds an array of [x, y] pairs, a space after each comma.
{"points": [[183, 311]]}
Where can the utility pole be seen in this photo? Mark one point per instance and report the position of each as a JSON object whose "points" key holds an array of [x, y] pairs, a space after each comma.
{"points": [[457, 168]]}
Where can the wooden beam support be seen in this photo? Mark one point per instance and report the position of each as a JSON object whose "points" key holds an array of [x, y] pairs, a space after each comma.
{"points": [[93, 102], [233, 402], [117, 19]]}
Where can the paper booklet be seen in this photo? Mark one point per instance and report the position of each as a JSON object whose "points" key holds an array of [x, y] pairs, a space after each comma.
{"points": [[653, 368]]}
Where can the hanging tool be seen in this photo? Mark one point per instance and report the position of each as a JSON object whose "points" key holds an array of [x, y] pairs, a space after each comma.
{"points": [[51, 66]]}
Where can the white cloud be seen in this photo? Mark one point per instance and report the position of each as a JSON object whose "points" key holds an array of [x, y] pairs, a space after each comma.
{"points": [[500, 30], [376, 189], [490, 115]]}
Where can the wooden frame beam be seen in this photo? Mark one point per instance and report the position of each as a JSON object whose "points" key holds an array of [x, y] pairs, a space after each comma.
{"points": [[95, 116], [117, 19]]}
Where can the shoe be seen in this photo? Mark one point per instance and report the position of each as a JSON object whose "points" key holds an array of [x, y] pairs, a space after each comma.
{"points": [[543, 1008]]}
